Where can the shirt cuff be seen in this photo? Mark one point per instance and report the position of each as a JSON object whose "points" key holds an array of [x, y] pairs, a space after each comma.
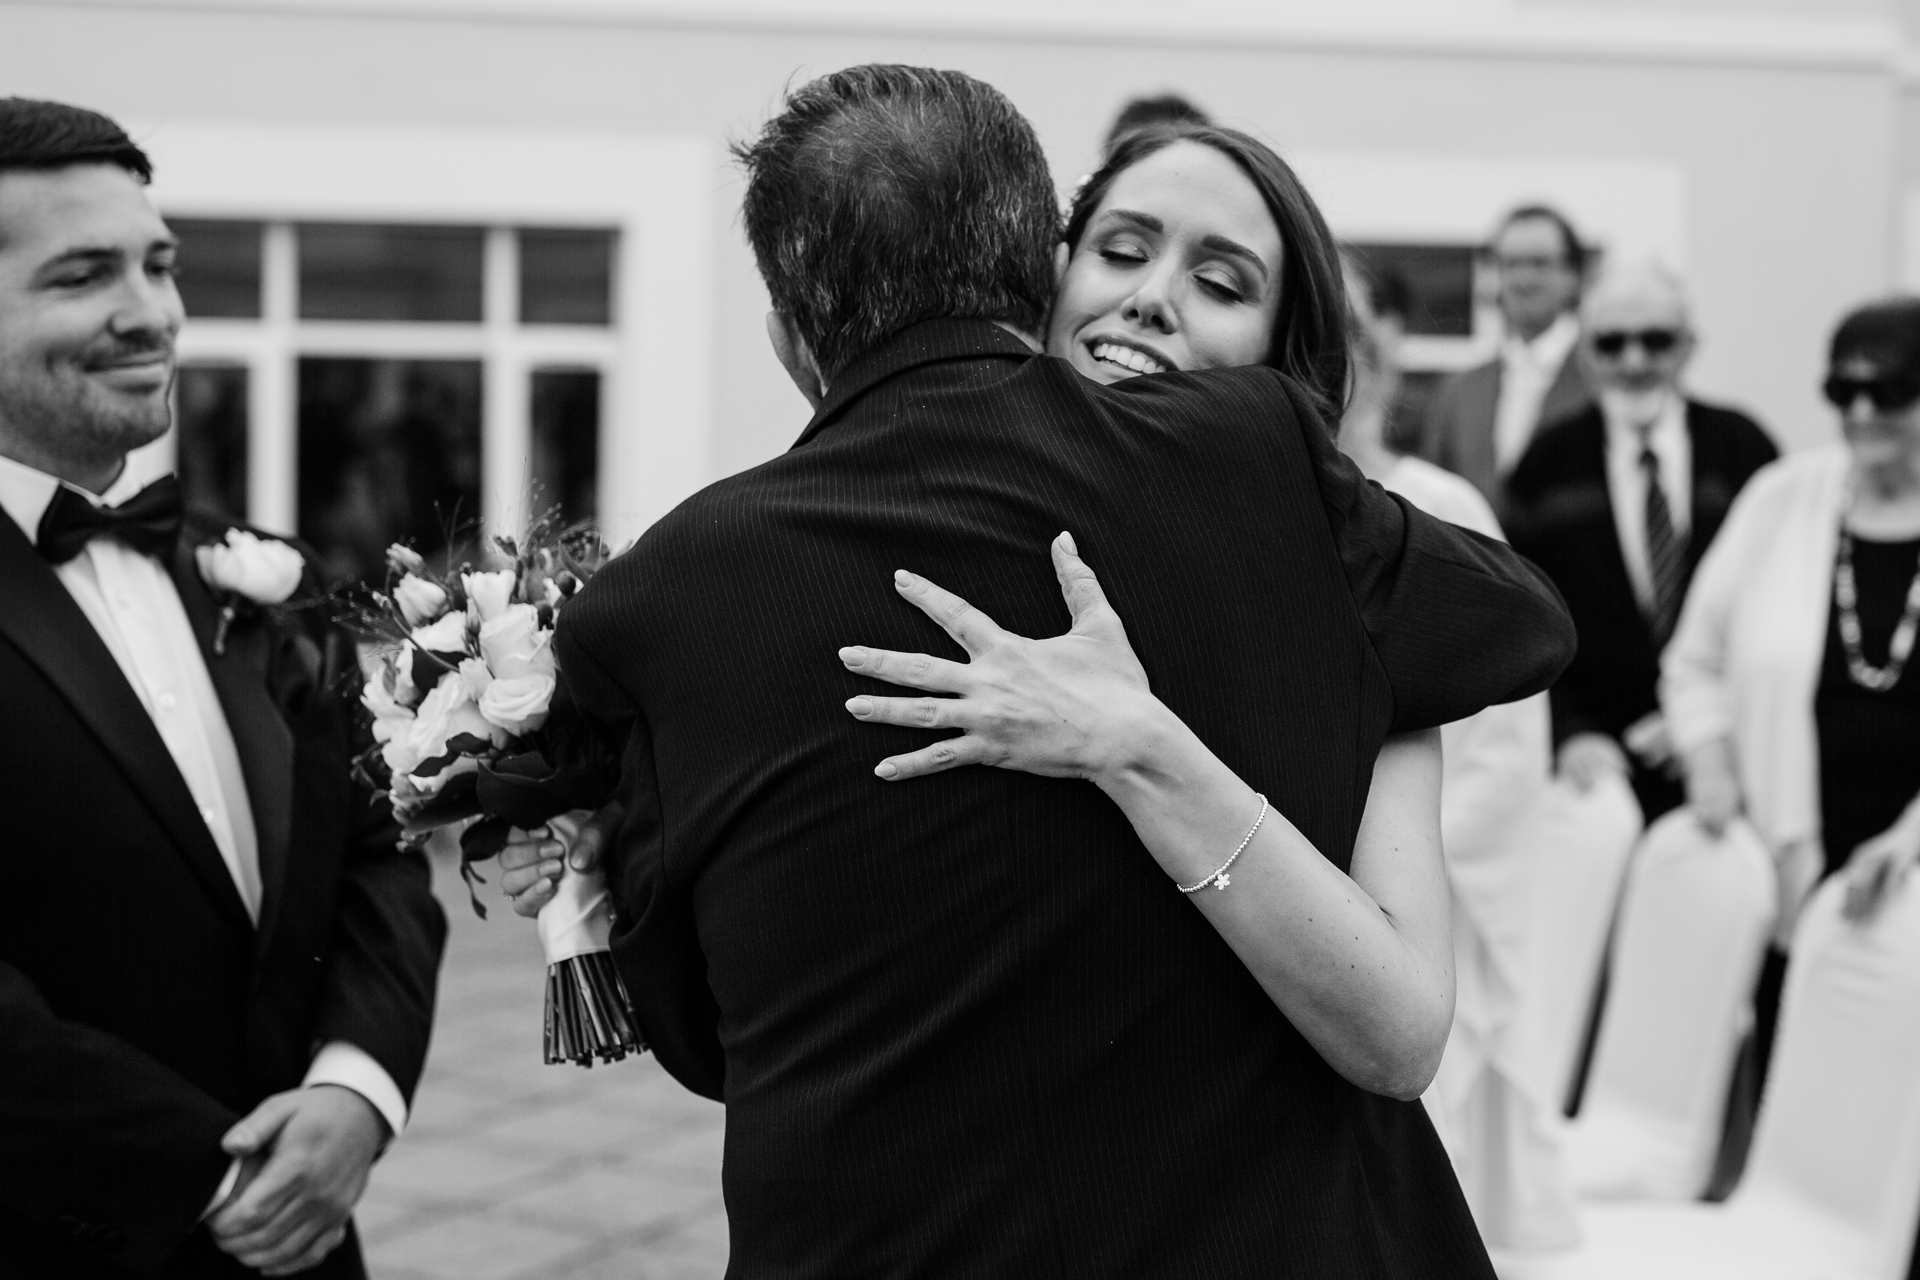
{"points": [[226, 1189], [352, 1067]]}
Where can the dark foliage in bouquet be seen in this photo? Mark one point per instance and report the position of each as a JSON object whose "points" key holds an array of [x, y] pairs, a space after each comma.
{"points": [[463, 686]]}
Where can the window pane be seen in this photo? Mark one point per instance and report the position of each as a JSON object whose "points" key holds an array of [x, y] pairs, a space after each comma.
{"points": [[212, 445], [356, 271], [566, 442], [219, 268], [1436, 281], [389, 452], [566, 277]]}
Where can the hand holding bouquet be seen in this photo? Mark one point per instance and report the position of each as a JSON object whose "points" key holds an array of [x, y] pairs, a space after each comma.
{"points": [[465, 731]]}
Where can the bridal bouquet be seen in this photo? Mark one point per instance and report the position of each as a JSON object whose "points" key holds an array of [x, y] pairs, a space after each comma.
{"points": [[461, 691]]}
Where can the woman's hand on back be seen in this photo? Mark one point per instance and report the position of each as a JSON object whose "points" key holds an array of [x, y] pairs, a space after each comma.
{"points": [[1073, 706]]}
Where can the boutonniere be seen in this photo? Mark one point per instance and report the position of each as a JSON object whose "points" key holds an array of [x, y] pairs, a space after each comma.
{"points": [[247, 569]]}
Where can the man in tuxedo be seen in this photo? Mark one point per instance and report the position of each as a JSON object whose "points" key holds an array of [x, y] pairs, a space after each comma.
{"points": [[216, 968], [1618, 504], [964, 1026], [1480, 420]]}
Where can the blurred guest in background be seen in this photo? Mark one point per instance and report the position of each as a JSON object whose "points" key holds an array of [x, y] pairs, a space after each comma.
{"points": [[1617, 504], [1481, 419], [1148, 112], [1503, 1141], [1786, 686]]}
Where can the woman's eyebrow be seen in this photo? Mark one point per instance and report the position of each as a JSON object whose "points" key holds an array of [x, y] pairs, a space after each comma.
{"points": [[1144, 221]]}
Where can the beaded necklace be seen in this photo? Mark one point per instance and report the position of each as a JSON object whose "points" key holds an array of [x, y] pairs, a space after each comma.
{"points": [[1864, 673]]}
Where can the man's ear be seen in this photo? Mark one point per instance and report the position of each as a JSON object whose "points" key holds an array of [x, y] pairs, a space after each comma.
{"points": [[791, 349]]}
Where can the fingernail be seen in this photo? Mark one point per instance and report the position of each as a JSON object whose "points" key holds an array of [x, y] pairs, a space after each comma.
{"points": [[885, 769], [550, 868], [901, 578], [853, 655], [862, 707], [1067, 543], [552, 850], [579, 862]]}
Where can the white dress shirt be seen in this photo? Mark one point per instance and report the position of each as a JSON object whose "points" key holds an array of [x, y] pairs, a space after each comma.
{"points": [[133, 606], [1528, 370], [1627, 483]]}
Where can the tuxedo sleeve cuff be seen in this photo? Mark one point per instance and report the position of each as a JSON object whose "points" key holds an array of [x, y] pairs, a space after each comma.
{"points": [[352, 1067], [225, 1190]]}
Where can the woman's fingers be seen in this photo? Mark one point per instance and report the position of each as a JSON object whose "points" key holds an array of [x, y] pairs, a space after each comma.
{"points": [[938, 758], [1077, 582], [915, 713], [972, 629], [915, 670]]}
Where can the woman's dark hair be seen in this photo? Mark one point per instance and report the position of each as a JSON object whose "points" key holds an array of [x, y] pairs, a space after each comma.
{"points": [[1310, 332], [1886, 334], [52, 135], [881, 196]]}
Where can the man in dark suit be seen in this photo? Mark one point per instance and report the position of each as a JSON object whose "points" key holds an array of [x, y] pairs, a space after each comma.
{"points": [[1618, 503], [965, 1026], [216, 969], [1480, 420]]}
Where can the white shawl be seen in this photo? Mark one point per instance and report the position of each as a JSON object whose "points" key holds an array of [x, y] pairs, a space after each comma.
{"points": [[1744, 661]]}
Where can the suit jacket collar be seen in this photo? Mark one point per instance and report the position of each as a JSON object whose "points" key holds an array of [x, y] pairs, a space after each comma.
{"points": [[42, 620], [923, 343], [240, 678]]}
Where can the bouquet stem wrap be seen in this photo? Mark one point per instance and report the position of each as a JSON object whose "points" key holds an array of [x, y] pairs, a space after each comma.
{"points": [[588, 1014]]}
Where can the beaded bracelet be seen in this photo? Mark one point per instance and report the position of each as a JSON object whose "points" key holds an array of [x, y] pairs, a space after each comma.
{"points": [[1219, 878]]}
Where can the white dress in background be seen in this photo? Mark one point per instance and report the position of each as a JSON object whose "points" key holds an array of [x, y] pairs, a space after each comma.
{"points": [[1503, 1136]]}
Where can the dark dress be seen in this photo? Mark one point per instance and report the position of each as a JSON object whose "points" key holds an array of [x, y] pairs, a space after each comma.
{"points": [[964, 1026], [1869, 741]]}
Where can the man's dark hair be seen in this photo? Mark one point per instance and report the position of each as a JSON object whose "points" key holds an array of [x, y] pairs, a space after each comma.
{"points": [[1885, 334], [1309, 341], [1571, 246], [1145, 113], [886, 195], [53, 135]]}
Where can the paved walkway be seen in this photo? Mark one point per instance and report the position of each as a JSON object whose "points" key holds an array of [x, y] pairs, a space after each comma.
{"points": [[511, 1169]]}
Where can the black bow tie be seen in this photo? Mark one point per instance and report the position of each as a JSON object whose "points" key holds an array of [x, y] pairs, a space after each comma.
{"points": [[149, 521]]}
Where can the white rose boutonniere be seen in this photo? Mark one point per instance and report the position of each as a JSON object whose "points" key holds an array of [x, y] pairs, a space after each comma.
{"points": [[245, 566]]}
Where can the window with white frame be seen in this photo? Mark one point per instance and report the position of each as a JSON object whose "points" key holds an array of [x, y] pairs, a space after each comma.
{"points": [[362, 383]]}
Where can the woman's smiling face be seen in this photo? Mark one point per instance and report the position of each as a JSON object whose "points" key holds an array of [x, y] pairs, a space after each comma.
{"points": [[1179, 268]]}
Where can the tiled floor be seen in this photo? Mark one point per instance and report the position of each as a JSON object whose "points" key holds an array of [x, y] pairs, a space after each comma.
{"points": [[511, 1169]]}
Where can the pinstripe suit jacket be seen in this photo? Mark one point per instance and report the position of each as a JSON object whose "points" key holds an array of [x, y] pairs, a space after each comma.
{"points": [[965, 1026]]}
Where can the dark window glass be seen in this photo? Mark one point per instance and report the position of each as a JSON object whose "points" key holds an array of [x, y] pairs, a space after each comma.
{"points": [[1436, 279], [211, 449], [357, 271], [389, 452], [219, 268], [566, 277], [566, 442]]}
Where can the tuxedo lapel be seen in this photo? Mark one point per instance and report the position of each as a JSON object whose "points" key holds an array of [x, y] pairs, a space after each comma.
{"points": [[43, 621], [259, 734]]}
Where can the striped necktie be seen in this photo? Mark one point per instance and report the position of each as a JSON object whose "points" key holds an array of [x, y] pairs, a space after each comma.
{"points": [[1666, 556]]}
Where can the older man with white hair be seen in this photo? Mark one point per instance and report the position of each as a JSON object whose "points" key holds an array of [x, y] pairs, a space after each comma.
{"points": [[1617, 504]]}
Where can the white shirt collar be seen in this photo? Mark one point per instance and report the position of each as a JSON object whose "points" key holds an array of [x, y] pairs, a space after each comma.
{"points": [[1547, 349], [25, 492]]}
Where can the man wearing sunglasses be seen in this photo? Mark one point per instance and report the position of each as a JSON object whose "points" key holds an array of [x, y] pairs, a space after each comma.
{"points": [[1617, 504]]}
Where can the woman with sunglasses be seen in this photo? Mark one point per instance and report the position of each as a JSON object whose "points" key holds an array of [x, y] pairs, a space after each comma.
{"points": [[1787, 686]]}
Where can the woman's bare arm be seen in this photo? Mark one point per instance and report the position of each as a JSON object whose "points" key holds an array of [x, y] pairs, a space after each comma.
{"points": [[1361, 964]]}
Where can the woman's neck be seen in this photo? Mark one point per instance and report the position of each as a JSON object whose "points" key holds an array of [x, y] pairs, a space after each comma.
{"points": [[1362, 429], [1886, 499]]}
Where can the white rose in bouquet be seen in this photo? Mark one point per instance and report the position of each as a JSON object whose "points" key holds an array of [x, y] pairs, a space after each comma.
{"points": [[447, 712], [514, 643], [391, 720], [420, 601], [400, 754], [489, 594], [474, 672], [518, 704], [404, 559], [264, 570], [448, 635]]}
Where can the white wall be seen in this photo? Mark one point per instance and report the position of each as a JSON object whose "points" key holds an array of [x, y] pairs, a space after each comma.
{"points": [[1785, 140]]}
